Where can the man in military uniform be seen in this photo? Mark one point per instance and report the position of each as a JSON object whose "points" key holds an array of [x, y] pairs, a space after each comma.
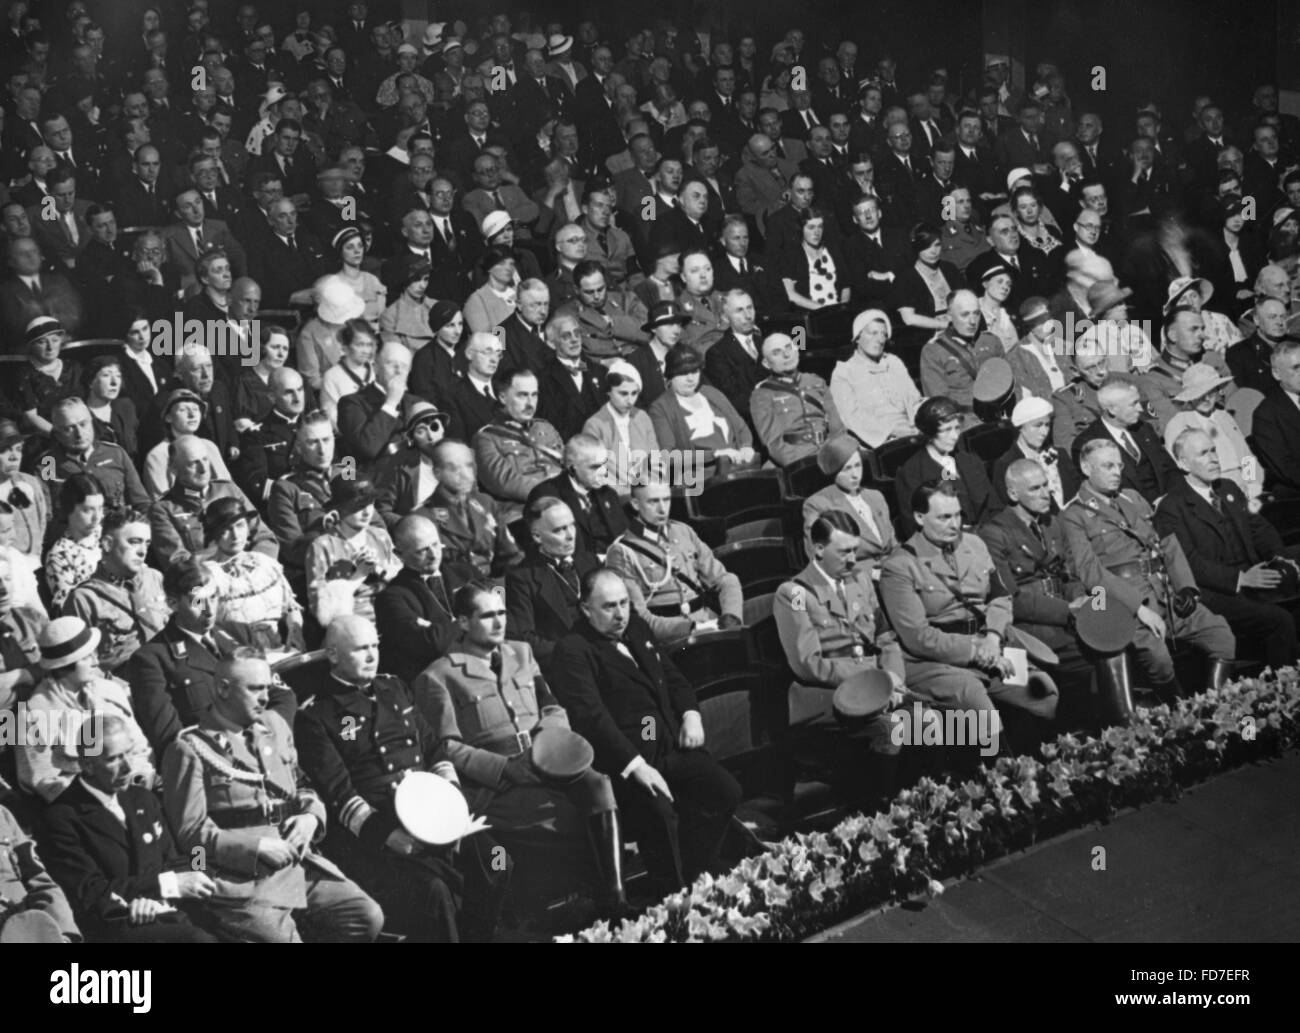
{"points": [[826, 620], [298, 499], [470, 523], [20, 651], [951, 359], [177, 517], [515, 452], [173, 675], [964, 239], [676, 584], [610, 322], [539, 820], [33, 909], [1184, 332], [953, 616], [75, 450], [1027, 544], [699, 301], [1075, 407], [1115, 547], [265, 449], [240, 807], [359, 736], [124, 597], [793, 412]]}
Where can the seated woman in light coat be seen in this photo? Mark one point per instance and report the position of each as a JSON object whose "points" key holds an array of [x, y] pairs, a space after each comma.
{"points": [[1201, 396], [693, 420], [625, 430], [841, 457], [874, 394], [494, 302]]}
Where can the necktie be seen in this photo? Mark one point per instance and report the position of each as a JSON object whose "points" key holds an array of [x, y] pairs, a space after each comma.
{"points": [[1033, 140], [439, 590], [1130, 446], [843, 594], [212, 198], [495, 662], [1092, 153], [568, 573], [210, 644], [1216, 502], [66, 157], [744, 268], [487, 392], [496, 199], [602, 238], [1037, 528], [1015, 262], [447, 237], [293, 242], [198, 238]]}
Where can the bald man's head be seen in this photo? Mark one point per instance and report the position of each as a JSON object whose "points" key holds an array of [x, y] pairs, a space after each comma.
{"points": [[189, 462], [352, 648]]}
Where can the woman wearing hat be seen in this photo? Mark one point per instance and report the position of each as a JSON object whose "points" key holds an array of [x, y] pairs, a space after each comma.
{"points": [[73, 558], [74, 688], [664, 282], [254, 398], [691, 419], [435, 369], [923, 290], [350, 249], [1033, 359], [1202, 409], [299, 42], [1194, 292], [939, 420], [182, 413], [842, 457], [996, 281], [499, 231], [319, 346], [1126, 346], [626, 431], [254, 603], [352, 373], [815, 274], [1032, 417], [353, 560], [116, 421], [494, 302], [26, 496], [46, 378], [872, 390], [408, 317]]}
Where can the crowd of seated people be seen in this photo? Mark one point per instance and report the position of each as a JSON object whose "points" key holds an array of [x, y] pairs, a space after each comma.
{"points": [[405, 358]]}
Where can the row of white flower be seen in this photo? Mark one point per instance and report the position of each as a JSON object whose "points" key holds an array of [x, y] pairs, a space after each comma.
{"points": [[936, 830]]}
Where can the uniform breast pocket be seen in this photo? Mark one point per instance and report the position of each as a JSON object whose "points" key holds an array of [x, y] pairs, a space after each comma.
{"points": [[196, 695], [220, 791], [485, 711]]}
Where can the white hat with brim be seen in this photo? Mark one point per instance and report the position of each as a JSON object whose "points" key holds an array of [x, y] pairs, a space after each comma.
{"points": [[559, 44], [1199, 379], [494, 222], [272, 97], [433, 36], [337, 302], [1185, 283], [1015, 175], [1029, 409], [65, 641]]}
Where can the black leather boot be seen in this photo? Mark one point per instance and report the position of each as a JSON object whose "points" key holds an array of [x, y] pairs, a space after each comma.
{"points": [[606, 839], [1114, 687], [1220, 673]]}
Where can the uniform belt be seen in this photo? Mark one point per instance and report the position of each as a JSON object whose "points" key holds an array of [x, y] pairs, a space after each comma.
{"points": [[803, 437], [510, 746], [1138, 568], [273, 814], [1052, 585], [704, 600], [859, 649], [966, 626]]}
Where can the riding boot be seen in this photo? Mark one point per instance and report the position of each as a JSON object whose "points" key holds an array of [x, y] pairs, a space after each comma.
{"points": [[606, 840], [1220, 672], [1114, 677]]}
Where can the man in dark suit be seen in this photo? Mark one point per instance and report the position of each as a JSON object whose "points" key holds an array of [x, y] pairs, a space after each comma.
{"points": [[1237, 558], [371, 420], [570, 390], [414, 609], [542, 593], [1034, 270], [1250, 360], [293, 164], [30, 291], [1202, 154], [974, 163], [598, 514], [107, 843], [676, 801], [523, 332], [172, 676], [734, 363], [285, 258], [1148, 468], [142, 199], [460, 150], [897, 173], [1026, 145], [1276, 424], [876, 254]]}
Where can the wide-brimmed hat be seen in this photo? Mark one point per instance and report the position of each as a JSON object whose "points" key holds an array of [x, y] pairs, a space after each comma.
{"points": [[1016, 175], [681, 360], [1034, 312], [423, 412], [42, 326], [1184, 284], [221, 515], [662, 313], [432, 36], [273, 95], [337, 302], [66, 640], [494, 222], [558, 44], [351, 495], [836, 452], [1104, 295], [1199, 379]]}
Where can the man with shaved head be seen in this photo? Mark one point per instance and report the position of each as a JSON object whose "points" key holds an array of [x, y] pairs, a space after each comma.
{"points": [[952, 358], [264, 450], [176, 518], [357, 740], [792, 411], [1250, 361]]}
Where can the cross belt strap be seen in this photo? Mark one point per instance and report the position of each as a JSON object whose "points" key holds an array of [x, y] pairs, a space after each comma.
{"points": [[650, 553], [505, 432]]}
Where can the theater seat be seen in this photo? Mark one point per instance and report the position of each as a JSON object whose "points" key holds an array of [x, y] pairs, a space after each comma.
{"points": [[804, 477], [761, 564], [893, 454], [988, 441], [747, 502]]}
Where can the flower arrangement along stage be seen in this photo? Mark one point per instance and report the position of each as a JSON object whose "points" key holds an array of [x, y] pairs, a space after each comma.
{"points": [[937, 830]]}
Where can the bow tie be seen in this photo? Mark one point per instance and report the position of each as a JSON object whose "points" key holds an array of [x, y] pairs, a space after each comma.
{"points": [[574, 367]]}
